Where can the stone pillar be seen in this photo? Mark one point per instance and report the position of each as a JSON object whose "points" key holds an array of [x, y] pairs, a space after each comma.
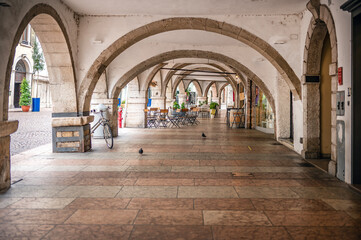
{"points": [[248, 98], [201, 99], [6, 128], [215, 99], [253, 107], [136, 103], [311, 120], [112, 104], [182, 98], [158, 102], [71, 134], [169, 102]]}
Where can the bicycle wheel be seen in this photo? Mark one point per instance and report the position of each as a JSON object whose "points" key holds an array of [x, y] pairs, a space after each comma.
{"points": [[108, 136]]}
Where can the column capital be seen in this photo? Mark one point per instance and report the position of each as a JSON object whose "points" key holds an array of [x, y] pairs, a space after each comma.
{"points": [[71, 121]]}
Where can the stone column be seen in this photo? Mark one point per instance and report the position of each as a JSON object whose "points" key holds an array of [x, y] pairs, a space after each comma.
{"points": [[182, 98], [215, 99], [248, 98], [311, 120], [158, 102], [6, 128], [201, 99], [169, 102], [112, 104], [253, 107], [71, 134], [136, 103]]}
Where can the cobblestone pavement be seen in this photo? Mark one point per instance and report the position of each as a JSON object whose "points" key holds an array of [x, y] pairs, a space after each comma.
{"points": [[34, 130]]}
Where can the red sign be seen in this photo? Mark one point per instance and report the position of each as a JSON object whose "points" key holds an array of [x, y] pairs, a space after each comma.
{"points": [[340, 80]]}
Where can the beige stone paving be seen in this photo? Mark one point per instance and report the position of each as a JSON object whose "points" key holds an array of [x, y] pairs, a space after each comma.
{"points": [[182, 187]]}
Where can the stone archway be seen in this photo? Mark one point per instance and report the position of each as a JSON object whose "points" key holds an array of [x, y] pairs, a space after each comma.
{"points": [[197, 86], [239, 68], [153, 61], [180, 78], [321, 24], [204, 24], [60, 64]]}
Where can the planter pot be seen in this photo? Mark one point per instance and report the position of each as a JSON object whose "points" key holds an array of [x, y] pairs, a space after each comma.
{"points": [[25, 108]]}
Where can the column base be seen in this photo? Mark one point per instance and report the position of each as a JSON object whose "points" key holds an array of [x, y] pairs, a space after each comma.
{"points": [[332, 168], [310, 155]]}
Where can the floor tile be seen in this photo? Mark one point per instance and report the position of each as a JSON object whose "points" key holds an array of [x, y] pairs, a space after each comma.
{"points": [[102, 217], [223, 204], [146, 232], [159, 203], [4, 202], [99, 203], [164, 182], [223, 182], [32, 191], [42, 203], [206, 192], [89, 191], [28, 231], [31, 216], [239, 232], [310, 218], [181, 162], [148, 192], [265, 204], [349, 233], [105, 182], [265, 192], [90, 232], [340, 204], [192, 169], [241, 218], [105, 168], [149, 169], [169, 217]]}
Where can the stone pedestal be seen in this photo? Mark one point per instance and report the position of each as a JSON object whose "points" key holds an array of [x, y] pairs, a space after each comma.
{"points": [[72, 134], [6, 128], [112, 103]]}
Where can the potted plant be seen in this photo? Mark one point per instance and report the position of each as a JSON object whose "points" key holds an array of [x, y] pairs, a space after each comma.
{"points": [[183, 106], [123, 104], [213, 107], [25, 95], [175, 107]]}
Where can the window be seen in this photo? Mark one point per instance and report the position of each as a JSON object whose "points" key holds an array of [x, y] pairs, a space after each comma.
{"points": [[25, 37]]}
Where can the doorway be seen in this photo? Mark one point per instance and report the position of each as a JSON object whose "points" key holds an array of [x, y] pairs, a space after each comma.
{"points": [[325, 100]]}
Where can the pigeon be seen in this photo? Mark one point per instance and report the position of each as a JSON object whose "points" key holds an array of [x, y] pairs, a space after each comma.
{"points": [[141, 151], [203, 135]]}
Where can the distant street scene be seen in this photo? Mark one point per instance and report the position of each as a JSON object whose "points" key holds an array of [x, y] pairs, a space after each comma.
{"points": [[34, 130]]}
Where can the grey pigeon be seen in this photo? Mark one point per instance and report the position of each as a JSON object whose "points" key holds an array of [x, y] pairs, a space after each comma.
{"points": [[203, 135], [141, 151]]}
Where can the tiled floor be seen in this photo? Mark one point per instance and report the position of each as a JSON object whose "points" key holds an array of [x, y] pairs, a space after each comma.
{"points": [[234, 184]]}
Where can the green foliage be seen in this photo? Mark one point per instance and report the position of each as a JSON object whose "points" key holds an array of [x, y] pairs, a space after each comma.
{"points": [[25, 94], [175, 106], [123, 102], [183, 106], [202, 103], [213, 105], [38, 58]]}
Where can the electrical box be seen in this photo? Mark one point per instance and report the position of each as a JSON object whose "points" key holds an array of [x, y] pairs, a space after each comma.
{"points": [[340, 101]]}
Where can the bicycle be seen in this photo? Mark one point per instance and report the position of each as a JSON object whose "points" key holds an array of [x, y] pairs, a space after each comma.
{"points": [[107, 131]]}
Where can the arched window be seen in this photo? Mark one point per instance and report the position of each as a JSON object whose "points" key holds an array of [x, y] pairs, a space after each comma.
{"points": [[20, 67]]}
